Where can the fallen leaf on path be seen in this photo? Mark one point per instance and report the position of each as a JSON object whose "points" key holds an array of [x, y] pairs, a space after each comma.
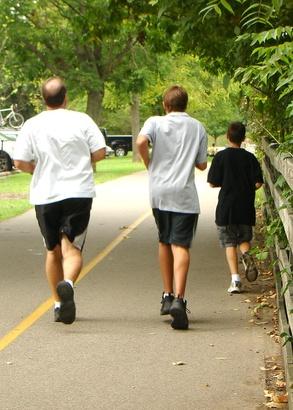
{"points": [[261, 323], [265, 369], [9, 363], [221, 358], [273, 405], [280, 398], [247, 301], [123, 227], [178, 363], [280, 384]]}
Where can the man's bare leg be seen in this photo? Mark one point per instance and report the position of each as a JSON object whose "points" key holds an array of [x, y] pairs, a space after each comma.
{"points": [[72, 264], [72, 259], [54, 270]]}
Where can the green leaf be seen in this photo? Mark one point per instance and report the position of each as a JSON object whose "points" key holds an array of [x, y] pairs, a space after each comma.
{"points": [[226, 81], [227, 6], [218, 10]]}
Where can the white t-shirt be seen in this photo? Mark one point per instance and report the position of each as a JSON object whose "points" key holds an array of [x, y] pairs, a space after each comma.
{"points": [[179, 142], [60, 142]]}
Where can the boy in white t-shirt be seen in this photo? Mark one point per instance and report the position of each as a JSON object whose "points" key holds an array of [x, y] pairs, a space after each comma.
{"points": [[58, 147], [179, 144]]}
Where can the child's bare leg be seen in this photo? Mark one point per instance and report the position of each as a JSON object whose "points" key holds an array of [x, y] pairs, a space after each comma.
{"points": [[166, 266], [181, 266], [232, 259], [251, 271], [244, 247]]}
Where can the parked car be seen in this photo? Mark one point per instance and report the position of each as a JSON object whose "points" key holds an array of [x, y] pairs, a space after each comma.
{"points": [[7, 138], [121, 144]]}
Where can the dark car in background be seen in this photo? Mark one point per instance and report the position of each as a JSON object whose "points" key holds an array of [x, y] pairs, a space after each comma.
{"points": [[120, 144]]}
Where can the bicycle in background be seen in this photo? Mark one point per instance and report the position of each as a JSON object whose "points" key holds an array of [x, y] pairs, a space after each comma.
{"points": [[13, 118]]}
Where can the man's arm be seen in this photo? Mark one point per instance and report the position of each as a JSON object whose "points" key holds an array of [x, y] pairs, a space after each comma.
{"points": [[142, 143], [98, 155], [25, 166]]}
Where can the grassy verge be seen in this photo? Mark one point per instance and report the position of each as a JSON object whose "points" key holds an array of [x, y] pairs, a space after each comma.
{"points": [[14, 188], [114, 167]]}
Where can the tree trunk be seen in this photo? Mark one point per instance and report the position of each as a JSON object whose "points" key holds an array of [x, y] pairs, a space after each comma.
{"points": [[135, 127], [94, 104]]}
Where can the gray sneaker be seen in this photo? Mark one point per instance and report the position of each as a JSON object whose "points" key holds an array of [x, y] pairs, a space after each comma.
{"points": [[178, 312], [235, 287], [251, 271], [166, 303]]}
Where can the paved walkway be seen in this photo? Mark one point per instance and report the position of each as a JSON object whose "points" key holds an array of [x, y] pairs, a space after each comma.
{"points": [[120, 353]]}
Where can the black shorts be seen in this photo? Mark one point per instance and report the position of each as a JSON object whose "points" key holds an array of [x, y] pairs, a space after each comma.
{"points": [[175, 227], [70, 217], [234, 235]]}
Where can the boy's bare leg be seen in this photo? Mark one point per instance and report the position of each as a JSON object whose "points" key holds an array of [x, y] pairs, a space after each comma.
{"points": [[232, 259], [181, 265], [244, 247], [251, 271], [54, 270], [72, 259], [166, 266]]}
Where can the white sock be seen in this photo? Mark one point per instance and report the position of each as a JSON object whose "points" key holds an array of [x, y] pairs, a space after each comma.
{"points": [[236, 277], [57, 304], [167, 294], [70, 282]]}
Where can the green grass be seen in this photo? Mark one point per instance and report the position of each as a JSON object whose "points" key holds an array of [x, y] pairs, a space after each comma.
{"points": [[14, 188], [113, 167]]}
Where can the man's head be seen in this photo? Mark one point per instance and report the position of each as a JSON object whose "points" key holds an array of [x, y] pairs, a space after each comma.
{"points": [[236, 132], [175, 99], [54, 92]]}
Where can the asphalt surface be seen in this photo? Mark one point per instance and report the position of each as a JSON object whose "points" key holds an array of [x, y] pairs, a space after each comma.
{"points": [[120, 353]]}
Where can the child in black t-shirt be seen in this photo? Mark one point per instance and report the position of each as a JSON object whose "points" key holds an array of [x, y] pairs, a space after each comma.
{"points": [[238, 173]]}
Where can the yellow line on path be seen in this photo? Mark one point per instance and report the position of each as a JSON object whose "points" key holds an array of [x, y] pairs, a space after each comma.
{"points": [[45, 306]]}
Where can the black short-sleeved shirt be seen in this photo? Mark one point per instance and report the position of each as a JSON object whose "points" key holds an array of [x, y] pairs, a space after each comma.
{"points": [[236, 171]]}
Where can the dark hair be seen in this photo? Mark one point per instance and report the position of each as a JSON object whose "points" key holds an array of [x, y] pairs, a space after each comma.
{"points": [[54, 91], [236, 132], [175, 98]]}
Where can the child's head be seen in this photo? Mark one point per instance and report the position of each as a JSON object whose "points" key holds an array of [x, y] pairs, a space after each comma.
{"points": [[236, 132], [175, 99]]}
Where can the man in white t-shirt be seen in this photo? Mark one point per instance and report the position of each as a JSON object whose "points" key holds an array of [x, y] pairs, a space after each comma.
{"points": [[179, 144], [58, 147]]}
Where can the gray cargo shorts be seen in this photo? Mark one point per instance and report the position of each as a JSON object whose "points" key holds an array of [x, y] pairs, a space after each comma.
{"points": [[234, 235]]}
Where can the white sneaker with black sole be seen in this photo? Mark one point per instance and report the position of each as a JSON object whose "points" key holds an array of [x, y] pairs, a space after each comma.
{"points": [[235, 287]]}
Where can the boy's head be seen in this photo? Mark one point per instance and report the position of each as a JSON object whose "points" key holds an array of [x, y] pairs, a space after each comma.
{"points": [[236, 132], [175, 99]]}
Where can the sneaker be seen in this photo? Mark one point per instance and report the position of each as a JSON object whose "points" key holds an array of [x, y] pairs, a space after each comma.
{"points": [[166, 303], [57, 315], [251, 271], [235, 287], [178, 313], [67, 308]]}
